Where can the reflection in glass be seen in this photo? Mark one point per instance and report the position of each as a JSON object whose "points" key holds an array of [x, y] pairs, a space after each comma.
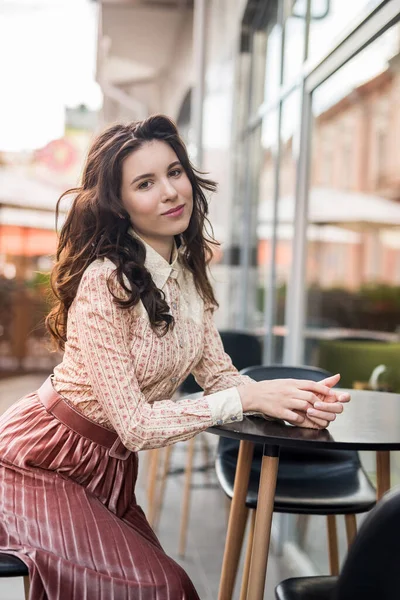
{"points": [[330, 19], [353, 268], [293, 57], [283, 187], [272, 70]]}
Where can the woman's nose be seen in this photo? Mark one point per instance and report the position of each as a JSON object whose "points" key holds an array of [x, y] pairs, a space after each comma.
{"points": [[168, 191]]}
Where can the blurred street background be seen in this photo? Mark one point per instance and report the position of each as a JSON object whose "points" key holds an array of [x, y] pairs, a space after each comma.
{"points": [[293, 106]]}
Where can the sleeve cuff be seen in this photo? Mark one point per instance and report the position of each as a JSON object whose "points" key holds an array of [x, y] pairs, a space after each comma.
{"points": [[225, 406]]}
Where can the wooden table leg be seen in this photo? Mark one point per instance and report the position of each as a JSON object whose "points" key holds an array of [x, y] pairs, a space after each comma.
{"points": [[237, 521], [262, 529], [382, 473]]}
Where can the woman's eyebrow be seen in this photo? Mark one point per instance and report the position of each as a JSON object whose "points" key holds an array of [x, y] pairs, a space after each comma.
{"points": [[145, 175]]}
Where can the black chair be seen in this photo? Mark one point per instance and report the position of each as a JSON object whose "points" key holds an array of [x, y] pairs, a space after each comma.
{"points": [[244, 349], [371, 569], [11, 566], [310, 482]]}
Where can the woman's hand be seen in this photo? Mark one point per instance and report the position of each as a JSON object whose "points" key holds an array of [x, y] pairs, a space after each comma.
{"points": [[316, 414], [290, 399]]}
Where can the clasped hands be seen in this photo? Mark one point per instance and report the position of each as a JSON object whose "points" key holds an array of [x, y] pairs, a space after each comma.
{"points": [[300, 402]]}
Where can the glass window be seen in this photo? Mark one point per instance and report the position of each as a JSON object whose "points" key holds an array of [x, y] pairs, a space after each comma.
{"points": [[353, 259], [295, 31], [272, 65], [259, 46], [284, 185], [266, 194], [330, 19]]}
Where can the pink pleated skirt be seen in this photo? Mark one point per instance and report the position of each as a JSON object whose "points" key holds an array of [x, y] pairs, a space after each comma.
{"points": [[68, 509]]}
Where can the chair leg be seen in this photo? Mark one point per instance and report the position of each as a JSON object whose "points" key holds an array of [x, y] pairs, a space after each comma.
{"points": [[351, 528], [227, 502], [186, 498], [152, 483], [205, 448], [26, 587], [382, 473], [163, 483], [333, 545], [249, 549]]}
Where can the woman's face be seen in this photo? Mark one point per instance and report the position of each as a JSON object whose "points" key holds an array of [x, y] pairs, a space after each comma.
{"points": [[157, 193]]}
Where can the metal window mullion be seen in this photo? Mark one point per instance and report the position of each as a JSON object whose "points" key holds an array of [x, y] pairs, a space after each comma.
{"points": [[245, 252], [270, 283], [297, 290]]}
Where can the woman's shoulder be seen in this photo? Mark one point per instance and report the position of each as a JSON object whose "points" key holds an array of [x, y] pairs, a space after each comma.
{"points": [[100, 266], [101, 273]]}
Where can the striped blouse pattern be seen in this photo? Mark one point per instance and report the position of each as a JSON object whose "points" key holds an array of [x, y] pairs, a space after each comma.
{"points": [[120, 374]]}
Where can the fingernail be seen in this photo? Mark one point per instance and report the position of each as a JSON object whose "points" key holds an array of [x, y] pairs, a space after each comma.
{"points": [[311, 411], [318, 405]]}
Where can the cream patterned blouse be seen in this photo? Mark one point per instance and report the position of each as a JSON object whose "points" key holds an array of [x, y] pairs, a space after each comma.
{"points": [[119, 373]]}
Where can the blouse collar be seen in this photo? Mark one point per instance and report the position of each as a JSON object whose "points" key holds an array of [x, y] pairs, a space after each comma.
{"points": [[160, 269]]}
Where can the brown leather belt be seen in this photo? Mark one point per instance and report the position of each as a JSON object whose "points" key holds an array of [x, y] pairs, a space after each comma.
{"points": [[55, 404]]}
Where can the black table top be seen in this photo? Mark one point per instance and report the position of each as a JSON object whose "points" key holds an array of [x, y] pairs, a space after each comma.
{"points": [[370, 421]]}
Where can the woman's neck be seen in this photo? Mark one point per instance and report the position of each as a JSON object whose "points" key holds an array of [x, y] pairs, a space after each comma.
{"points": [[163, 246]]}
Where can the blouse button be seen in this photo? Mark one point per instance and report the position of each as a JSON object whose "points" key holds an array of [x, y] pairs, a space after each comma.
{"points": [[219, 422], [174, 379], [174, 305]]}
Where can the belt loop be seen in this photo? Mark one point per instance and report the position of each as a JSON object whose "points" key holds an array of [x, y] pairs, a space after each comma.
{"points": [[118, 450]]}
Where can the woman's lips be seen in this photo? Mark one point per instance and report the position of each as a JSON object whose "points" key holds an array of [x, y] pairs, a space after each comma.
{"points": [[176, 212]]}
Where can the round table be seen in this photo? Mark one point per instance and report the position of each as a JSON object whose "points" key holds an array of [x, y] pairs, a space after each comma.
{"points": [[371, 421]]}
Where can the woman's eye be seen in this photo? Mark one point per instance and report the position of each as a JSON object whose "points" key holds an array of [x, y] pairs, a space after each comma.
{"points": [[144, 185], [175, 172]]}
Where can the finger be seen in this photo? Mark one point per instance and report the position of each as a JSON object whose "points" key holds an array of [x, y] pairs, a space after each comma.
{"points": [[313, 423], [344, 397], [321, 414], [321, 423], [306, 398], [331, 381], [315, 386], [293, 417], [335, 407]]}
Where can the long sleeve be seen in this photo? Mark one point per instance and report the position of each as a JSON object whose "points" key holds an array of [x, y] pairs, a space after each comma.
{"points": [[103, 329], [216, 373]]}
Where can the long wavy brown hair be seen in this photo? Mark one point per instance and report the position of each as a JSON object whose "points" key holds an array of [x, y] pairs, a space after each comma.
{"points": [[97, 226]]}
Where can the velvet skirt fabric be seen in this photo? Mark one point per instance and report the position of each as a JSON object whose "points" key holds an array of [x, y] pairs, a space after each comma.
{"points": [[68, 510]]}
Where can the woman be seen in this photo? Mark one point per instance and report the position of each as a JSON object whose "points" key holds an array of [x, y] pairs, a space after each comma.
{"points": [[134, 318]]}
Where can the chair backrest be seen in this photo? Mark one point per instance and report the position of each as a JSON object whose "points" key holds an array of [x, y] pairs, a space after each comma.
{"points": [[243, 348], [283, 372], [372, 568]]}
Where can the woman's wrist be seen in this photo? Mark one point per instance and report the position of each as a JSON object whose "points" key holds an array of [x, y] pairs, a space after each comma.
{"points": [[247, 397]]}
